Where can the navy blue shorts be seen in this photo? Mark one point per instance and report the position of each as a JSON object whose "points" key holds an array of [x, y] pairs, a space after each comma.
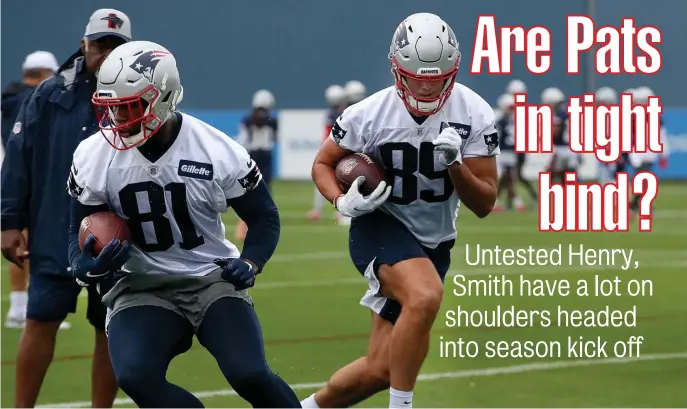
{"points": [[263, 158], [378, 238], [52, 297]]}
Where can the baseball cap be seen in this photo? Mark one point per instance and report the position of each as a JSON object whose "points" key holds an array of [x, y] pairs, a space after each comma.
{"points": [[40, 60], [108, 22]]}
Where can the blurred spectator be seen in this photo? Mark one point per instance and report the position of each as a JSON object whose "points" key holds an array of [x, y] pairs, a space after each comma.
{"points": [[37, 67], [258, 134]]}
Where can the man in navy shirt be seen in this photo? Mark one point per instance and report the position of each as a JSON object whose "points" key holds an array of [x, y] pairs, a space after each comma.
{"points": [[49, 126]]}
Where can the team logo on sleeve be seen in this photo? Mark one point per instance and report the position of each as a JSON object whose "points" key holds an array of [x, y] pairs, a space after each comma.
{"points": [[337, 133], [462, 129], [251, 180], [17, 127], [195, 170], [72, 187], [492, 142]]}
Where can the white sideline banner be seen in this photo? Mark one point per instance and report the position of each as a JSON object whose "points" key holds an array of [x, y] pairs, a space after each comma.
{"points": [[301, 133]]}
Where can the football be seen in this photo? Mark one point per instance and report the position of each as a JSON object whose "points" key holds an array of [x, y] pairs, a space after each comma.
{"points": [[358, 164], [105, 226]]}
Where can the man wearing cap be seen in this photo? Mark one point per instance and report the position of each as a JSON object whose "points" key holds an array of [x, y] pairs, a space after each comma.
{"points": [[50, 124], [37, 66]]}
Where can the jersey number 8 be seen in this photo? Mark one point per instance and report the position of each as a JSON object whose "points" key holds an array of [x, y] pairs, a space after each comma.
{"points": [[412, 162], [131, 208]]}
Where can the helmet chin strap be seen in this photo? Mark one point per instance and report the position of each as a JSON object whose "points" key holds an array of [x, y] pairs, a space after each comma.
{"points": [[421, 106], [134, 139]]}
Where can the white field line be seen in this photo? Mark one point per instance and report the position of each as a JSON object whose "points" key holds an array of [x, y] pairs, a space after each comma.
{"points": [[530, 228], [469, 373], [356, 279], [330, 215]]}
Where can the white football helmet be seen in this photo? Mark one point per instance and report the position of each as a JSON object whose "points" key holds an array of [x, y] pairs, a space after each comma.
{"points": [[141, 77], [641, 95], [355, 91], [424, 48], [606, 95], [552, 96], [505, 102], [263, 99], [516, 87], [335, 95]]}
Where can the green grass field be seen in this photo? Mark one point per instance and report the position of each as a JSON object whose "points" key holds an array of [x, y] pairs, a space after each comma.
{"points": [[308, 298]]}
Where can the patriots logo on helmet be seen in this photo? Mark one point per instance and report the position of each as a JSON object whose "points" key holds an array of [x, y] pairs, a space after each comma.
{"points": [[146, 62], [401, 37], [113, 21], [452, 40]]}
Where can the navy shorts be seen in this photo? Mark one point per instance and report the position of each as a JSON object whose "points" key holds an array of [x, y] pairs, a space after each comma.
{"points": [[263, 158], [378, 238], [52, 297]]}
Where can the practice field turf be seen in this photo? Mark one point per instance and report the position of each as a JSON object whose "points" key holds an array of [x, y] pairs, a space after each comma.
{"points": [[308, 298]]}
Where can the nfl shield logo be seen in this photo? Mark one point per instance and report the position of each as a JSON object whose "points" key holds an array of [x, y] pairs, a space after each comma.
{"points": [[153, 170]]}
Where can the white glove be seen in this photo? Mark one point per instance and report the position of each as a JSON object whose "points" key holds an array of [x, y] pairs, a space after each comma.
{"points": [[354, 204], [449, 143]]}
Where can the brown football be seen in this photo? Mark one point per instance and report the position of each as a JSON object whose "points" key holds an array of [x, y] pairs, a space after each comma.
{"points": [[355, 165], [105, 226]]}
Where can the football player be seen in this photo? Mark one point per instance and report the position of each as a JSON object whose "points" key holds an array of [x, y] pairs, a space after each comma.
{"points": [[564, 160], [171, 176], [335, 95], [355, 92], [437, 138], [258, 134], [507, 160], [645, 161], [606, 171]]}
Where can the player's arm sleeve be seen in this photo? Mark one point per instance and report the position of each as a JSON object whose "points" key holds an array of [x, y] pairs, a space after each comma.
{"points": [[484, 139], [78, 212], [248, 195], [347, 131], [85, 177], [17, 163]]}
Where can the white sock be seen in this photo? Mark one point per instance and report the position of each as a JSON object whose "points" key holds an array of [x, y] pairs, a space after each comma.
{"points": [[400, 399], [319, 200], [309, 402], [18, 301]]}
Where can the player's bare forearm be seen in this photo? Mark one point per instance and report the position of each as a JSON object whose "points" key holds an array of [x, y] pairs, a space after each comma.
{"points": [[323, 173], [475, 184]]}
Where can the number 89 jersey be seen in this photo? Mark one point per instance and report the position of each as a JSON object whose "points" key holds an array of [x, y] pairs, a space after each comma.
{"points": [[423, 197], [173, 206]]}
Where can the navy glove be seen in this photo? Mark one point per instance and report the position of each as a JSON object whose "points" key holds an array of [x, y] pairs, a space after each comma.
{"points": [[92, 270], [238, 272]]}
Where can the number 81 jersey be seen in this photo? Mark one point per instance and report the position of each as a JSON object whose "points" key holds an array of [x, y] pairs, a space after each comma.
{"points": [[173, 206], [423, 197]]}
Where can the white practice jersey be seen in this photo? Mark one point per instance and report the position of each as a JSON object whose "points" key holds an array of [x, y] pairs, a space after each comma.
{"points": [[423, 196], [173, 206]]}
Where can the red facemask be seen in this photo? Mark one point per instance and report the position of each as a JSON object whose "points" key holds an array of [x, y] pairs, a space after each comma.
{"points": [[107, 107], [404, 92]]}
